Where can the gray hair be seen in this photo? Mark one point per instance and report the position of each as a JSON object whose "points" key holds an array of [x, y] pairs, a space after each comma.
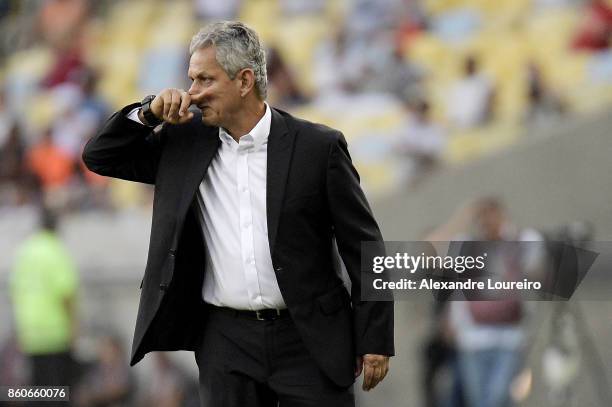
{"points": [[237, 47]]}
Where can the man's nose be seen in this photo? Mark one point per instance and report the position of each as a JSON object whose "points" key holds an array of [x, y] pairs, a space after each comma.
{"points": [[196, 95]]}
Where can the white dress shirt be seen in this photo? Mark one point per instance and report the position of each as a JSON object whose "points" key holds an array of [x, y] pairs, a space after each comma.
{"points": [[232, 201]]}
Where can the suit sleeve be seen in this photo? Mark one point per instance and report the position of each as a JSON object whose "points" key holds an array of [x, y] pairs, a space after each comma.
{"points": [[354, 223], [124, 149]]}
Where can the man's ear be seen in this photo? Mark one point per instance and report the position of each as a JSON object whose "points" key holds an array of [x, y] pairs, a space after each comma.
{"points": [[246, 78]]}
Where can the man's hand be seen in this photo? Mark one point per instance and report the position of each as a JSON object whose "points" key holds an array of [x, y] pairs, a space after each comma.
{"points": [[374, 367], [171, 106]]}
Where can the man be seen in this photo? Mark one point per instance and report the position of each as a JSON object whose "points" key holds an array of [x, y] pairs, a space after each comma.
{"points": [[489, 335], [43, 288], [240, 267]]}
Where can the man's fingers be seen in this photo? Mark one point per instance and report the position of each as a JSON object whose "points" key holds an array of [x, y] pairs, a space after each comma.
{"points": [[379, 374], [175, 103], [385, 370], [185, 118], [376, 377], [185, 102], [375, 368], [167, 98], [368, 375]]}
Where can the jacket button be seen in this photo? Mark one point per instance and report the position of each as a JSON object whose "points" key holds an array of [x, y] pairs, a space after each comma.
{"points": [[163, 287]]}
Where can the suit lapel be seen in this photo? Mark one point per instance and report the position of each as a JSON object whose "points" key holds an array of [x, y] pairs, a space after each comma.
{"points": [[280, 143], [203, 149]]}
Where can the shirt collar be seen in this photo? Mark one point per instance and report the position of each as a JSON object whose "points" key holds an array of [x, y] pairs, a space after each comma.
{"points": [[256, 137]]}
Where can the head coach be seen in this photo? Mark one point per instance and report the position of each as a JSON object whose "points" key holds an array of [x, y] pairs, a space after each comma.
{"points": [[248, 200]]}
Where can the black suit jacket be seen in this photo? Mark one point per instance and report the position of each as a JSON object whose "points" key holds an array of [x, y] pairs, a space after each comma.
{"points": [[313, 195]]}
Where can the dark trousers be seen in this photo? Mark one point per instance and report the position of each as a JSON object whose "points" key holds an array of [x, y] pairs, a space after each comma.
{"points": [[54, 369], [250, 363]]}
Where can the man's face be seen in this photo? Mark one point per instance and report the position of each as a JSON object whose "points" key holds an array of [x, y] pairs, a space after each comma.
{"points": [[217, 96], [490, 222]]}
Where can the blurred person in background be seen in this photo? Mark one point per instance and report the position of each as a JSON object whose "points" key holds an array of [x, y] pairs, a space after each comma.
{"points": [[393, 73], [595, 29], [52, 167], [336, 65], [440, 382], [92, 106], [62, 23], [108, 382], [12, 153], [545, 106], [13, 172], [490, 335], [422, 142], [283, 90], [7, 121], [471, 99], [170, 386], [227, 281], [43, 290]]}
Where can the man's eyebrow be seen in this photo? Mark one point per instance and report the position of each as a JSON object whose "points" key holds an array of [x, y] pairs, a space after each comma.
{"points": [[201, 74]]}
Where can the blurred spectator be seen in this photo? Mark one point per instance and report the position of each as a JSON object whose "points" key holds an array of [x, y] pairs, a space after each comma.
{"points": [[413, 21], [61, 22], [596, 27], [470, 103], [490, 335], [366, 64], [50, 164], [336, 65], [92, 105], [6, 118], [283, 89], [109, 382], [544, 105], [170, 386], [394, 74], [12, 153], [74, 121], [422, 142], [16, 183], [66, 68], [43, 289], [439, 357]]}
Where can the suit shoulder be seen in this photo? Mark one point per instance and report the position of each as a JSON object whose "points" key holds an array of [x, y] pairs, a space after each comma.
{"points": [[317, 132]]}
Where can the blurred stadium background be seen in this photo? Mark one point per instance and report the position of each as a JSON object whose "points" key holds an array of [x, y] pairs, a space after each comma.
{"points": [[442, 102]]}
